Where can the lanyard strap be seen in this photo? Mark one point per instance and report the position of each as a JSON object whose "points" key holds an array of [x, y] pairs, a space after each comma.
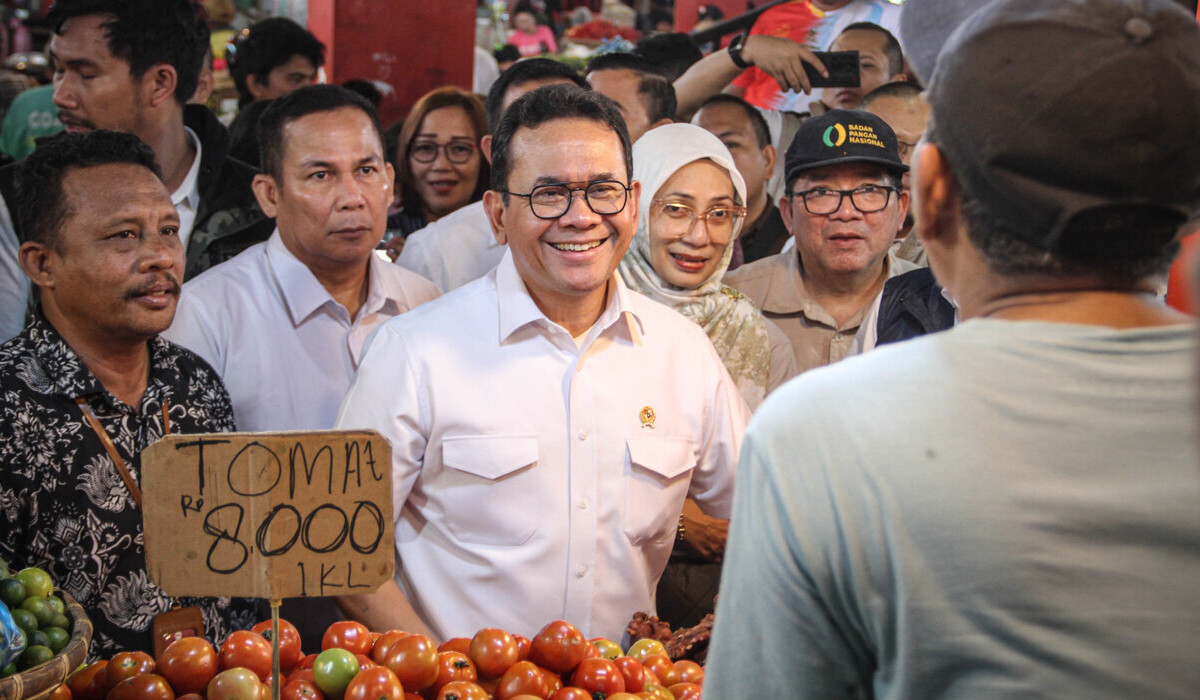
{"points": [[111, 449]]}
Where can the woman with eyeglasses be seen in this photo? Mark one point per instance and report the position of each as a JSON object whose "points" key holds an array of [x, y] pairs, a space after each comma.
{"points": [[439, 167], [691, 210]]}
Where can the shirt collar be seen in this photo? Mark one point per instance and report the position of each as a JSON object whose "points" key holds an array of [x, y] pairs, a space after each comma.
{"points": [[787, 295], [189, 190], [65, 372], [517, 309], [303, 293]]}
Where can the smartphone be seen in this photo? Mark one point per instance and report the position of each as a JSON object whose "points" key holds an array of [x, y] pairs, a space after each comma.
{"points": [[842, 67]]}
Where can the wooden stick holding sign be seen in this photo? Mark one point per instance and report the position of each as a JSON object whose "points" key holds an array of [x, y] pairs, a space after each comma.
{"points": [[269, 515]]}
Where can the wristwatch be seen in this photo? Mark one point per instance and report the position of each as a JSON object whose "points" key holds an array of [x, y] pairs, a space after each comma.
{"points": [[735, 51]]}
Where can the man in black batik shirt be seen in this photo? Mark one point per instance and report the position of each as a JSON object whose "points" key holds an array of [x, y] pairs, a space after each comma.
{"points": [[104, 254]]}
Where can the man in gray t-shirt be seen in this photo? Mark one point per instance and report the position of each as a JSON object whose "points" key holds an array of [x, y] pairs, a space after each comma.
{"points": [[1010, 508]]}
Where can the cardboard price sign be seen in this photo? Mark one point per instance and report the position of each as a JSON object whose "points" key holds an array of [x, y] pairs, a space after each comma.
{"points": [[268, 515]]}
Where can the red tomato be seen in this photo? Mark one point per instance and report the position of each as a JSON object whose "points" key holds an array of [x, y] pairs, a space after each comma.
{"points": [[522, 677], [301, 690], [246, 649], [235, 684], [188, 664], [656, 692], [189, 696], [144, 686], [493, 650], [598, 676], [377, 683], [352, 636], [381, 646], [523, 645], [62, 692], [689, 672], [625, 696], [126, 664], [463, 690], [289, 643], [90, 682], [570, 693], [559, 647], [414, 660], [633, 672], [365, 662], [299, 674], [453, 666], [685, 691], [459, 644], [553, 680], [663, 669]]}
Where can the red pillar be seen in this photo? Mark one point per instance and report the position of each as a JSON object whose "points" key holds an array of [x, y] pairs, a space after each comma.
{"points": [[412, 45]]}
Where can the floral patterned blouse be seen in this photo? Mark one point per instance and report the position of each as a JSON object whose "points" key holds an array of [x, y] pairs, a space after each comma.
{"points": [[63, 505]]}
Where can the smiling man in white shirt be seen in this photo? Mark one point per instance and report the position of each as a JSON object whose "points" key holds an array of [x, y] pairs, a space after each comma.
{"points": [[284, 323], [546, 422]]}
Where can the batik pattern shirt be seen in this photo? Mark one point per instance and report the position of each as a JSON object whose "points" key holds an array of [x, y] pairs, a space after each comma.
{"points": [[63, 505]]}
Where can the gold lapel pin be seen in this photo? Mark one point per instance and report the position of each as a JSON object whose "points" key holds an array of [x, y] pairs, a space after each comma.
{"points": [[647, 416]]}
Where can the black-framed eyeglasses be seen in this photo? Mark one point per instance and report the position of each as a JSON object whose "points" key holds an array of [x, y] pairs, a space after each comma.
{"points": [[867, 199], [679, 218], [604, 197], [457, 152]]}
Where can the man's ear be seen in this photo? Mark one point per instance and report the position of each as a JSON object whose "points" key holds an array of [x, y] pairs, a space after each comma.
{"points": [[266, 191], [785, 212], [493, 206], [485, 147], [160, 82], [935, 196], [661, 122], [769, 155], [38, 263]]}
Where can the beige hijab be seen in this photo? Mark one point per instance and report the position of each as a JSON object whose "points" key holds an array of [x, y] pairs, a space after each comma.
{"points": [[733, 324]]}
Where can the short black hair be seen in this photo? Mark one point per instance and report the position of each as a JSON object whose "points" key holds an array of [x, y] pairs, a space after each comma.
{"points": [[656, 94], [548, 103], [762, 132], [891, 45], [507, 54], [670, 54], [147, 33], [265, 45], [526, 71], [243, 133], [301, 103], [40, 200], [366, 88], [906, 90]]}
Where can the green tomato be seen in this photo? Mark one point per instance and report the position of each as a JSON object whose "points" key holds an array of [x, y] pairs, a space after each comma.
{"points": [[643, 649], [25, 620], [333, 669], [608, 648], [57, 604], [37, 582], [60, 621], [34, 656]]}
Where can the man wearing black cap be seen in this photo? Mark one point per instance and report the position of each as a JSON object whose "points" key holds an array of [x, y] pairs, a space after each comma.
{"points": [[843, 206], [1010, 508]]}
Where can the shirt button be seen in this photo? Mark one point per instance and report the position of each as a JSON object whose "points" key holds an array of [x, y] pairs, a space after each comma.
{"points": [[583, 505], [583, 435], [581, 572]]}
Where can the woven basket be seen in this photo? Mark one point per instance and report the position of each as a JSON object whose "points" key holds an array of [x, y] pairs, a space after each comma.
{"points": [[40, 681]]}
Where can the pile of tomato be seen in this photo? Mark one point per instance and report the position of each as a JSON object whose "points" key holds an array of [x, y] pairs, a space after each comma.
{"points": [[356, 664]]}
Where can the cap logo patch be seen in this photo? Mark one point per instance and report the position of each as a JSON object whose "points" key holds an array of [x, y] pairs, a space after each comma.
{"points": [[841, 136], [863, 134]]}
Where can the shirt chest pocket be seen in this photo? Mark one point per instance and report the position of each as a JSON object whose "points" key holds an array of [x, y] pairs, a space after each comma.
{"points": [[488, 490], [660, 470]]}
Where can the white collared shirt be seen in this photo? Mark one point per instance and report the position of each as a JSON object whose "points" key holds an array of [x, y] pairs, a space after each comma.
{"points": [[453, 250], [534, 478], [286, 350], [186, 197]]}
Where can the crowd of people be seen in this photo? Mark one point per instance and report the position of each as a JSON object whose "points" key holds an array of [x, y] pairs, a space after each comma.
{"points": [[886, 364]]}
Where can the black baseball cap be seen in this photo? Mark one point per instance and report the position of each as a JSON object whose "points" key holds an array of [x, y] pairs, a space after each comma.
{"points": [[1046, 109], [842, 136]]}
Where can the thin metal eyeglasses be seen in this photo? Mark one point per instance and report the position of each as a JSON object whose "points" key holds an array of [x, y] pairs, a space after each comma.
{"points": [[604, 197], [867, 199], [457, 152], [720, 221], [904, 148]]}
